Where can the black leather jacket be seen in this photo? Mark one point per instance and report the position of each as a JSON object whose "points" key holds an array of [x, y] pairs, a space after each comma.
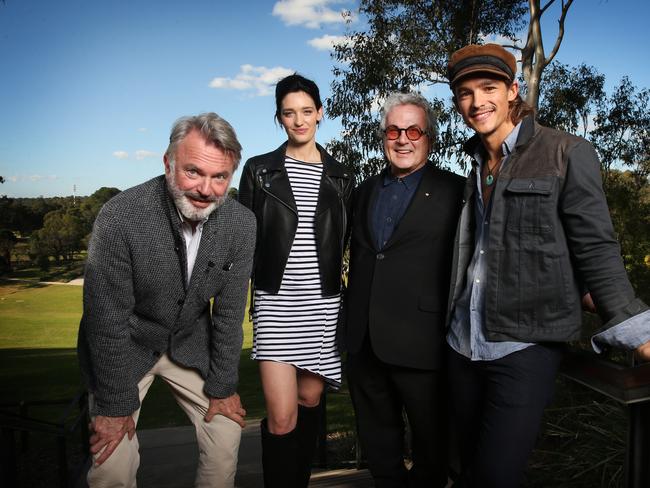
{"points": [[265, 189]]}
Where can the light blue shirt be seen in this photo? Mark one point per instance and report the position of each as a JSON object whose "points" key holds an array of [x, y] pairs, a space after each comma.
{"points": [[467, 331]]}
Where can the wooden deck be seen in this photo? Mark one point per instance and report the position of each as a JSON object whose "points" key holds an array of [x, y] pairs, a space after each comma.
{"points": [[169, 458]]}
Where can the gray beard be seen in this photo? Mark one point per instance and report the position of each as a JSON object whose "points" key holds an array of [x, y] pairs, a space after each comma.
{"points": [[184, 205]]}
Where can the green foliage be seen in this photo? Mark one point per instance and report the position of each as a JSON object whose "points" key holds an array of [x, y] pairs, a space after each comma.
{"points": [[7, 242], [622, 123], [61, 235], [64, 227], [24, 215], [569, 97], [406, 44], [628, 196]]}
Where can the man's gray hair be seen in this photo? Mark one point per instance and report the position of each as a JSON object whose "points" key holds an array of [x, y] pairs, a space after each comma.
{"points": [[411, 98], [215, 129]]}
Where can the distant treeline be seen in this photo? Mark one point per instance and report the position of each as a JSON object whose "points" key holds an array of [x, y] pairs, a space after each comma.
{"points": [[46, 229]]}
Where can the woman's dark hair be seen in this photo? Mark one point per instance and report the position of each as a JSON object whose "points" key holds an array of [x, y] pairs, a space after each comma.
{"points": [[295, 83]]}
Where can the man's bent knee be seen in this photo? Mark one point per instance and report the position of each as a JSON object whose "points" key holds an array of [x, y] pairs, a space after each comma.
{"points": [[218, 452], [120, 469]]}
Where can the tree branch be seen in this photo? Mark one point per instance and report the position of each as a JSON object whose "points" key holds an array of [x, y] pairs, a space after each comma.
{"points": [[541, 12], [560, 34]]}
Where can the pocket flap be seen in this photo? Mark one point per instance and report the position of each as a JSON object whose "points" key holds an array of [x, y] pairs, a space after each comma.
{"points": [[530, 185]]}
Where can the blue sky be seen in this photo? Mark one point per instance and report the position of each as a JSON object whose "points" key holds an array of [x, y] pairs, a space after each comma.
{"points": [[89, 89]]}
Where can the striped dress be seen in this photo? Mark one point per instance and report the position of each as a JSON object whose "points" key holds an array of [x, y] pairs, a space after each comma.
{"points": [[298, 325]]}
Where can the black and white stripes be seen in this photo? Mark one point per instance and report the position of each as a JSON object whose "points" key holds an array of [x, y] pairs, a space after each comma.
{"points": [[298, 325]]}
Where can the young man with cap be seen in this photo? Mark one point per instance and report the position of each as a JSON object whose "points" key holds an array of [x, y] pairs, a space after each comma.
{"points": [[534, 225]]}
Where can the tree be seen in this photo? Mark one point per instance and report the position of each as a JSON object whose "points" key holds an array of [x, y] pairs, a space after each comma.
{"points": [[61, 236], [628, 196], [622, 129], [533, 57], [7, 242], [569, 97], [407, 44], [91, 206]]}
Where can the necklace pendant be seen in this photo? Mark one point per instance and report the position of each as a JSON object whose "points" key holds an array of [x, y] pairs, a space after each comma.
{"points": [[489, 179]]}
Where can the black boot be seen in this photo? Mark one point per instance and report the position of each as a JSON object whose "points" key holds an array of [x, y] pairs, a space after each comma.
{"points": [[307, 433], [279, 458]]}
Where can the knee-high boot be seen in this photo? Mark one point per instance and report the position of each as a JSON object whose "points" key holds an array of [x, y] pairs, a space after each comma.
{"points": [[307, 433], [279, 458]]}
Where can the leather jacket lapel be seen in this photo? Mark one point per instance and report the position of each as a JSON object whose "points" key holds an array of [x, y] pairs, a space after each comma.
{"points": [[274, 180]]}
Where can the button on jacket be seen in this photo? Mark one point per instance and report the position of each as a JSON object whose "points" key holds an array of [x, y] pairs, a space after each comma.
{"points": [[266, 190]]}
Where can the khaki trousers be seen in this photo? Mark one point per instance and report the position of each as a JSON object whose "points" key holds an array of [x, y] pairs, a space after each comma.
{"points": [[218, 440]]}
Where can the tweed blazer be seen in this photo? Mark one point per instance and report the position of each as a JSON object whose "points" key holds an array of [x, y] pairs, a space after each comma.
{"points": [[136, 303]]}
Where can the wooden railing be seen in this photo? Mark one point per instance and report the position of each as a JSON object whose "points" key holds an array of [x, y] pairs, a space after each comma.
{"points": [[630, 386]]}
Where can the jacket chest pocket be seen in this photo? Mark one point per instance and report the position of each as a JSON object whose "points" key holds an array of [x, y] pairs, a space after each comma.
{"points": [[530, 208]]}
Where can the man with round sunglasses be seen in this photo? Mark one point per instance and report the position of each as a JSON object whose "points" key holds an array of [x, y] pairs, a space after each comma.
{"points": [[400, 255]]}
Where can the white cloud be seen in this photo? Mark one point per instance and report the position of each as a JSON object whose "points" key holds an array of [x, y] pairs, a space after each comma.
{"points": [[253, 78], [504, 41], [309, 13], [326, 42], [40, 177], [142, 129], [31, 178], [121, 154], [141, 154]]}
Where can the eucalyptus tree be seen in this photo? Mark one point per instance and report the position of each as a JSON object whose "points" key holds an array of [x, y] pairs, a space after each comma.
{"points": [[406, 44]]}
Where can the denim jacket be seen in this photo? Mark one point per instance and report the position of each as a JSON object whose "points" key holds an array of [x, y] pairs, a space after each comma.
{"points": [[549, 228]]}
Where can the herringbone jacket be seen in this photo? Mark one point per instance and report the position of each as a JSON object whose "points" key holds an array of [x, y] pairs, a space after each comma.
{"points": [[137, 305]]}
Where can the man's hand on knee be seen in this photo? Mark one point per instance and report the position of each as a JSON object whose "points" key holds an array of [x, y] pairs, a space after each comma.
{"points": [[230, 407], [108, 432]]}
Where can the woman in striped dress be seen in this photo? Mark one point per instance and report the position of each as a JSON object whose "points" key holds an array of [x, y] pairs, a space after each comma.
{"points": [[300, 196]]}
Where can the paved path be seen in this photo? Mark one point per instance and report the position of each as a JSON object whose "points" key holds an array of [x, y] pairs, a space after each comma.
{"points": [[169, 457], [75, 282]]}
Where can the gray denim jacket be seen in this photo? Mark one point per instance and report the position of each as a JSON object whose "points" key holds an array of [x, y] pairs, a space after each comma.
{"points": [[550, 228]]}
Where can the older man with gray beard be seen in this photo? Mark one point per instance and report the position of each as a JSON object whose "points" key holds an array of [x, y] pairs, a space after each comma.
{"points": [[164, 295]]}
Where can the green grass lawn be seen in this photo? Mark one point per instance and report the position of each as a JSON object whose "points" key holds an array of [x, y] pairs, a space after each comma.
{"points": [[34, 316], [38, 334]]}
